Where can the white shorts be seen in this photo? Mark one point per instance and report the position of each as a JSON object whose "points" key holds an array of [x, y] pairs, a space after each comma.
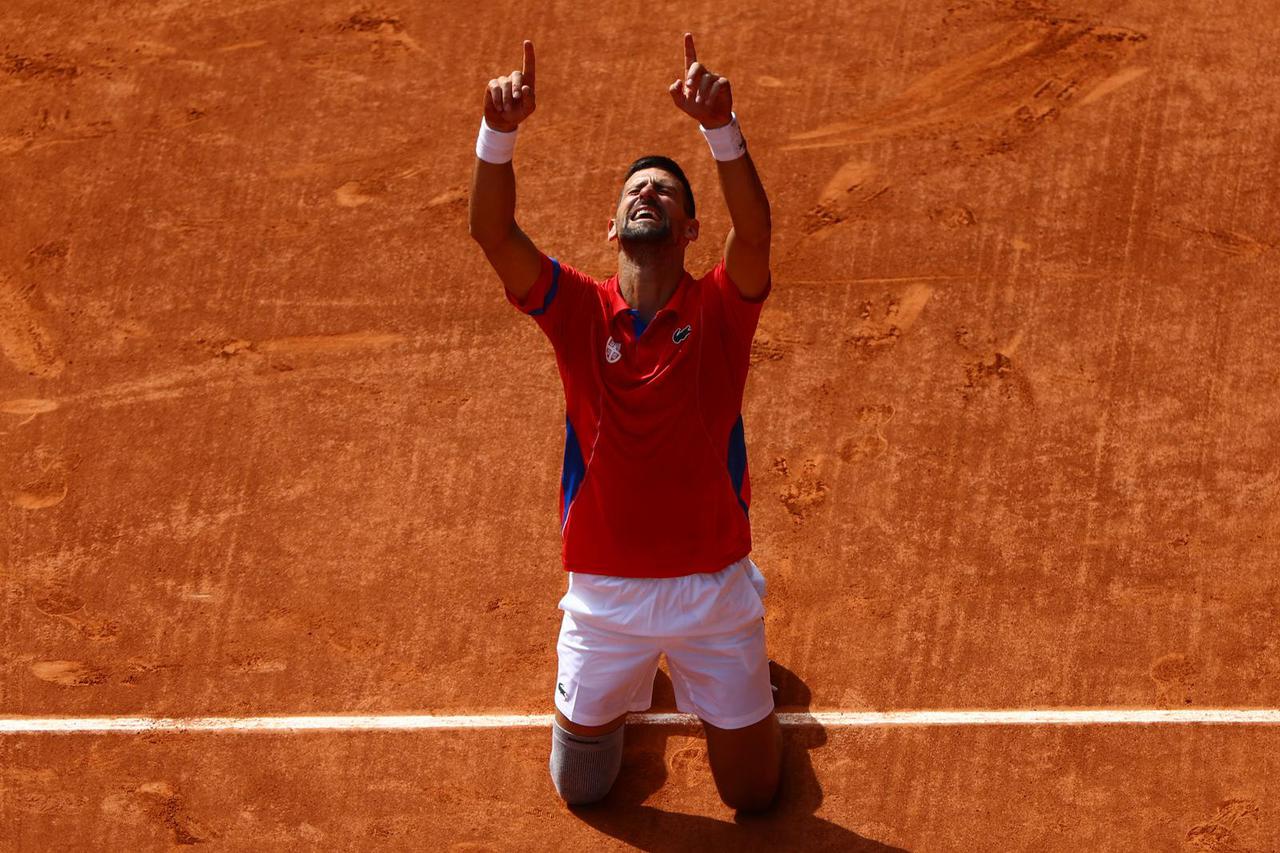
{"points": [[710, 626]]}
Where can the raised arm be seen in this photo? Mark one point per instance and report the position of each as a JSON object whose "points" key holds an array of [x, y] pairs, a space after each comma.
{"points": [[708, 98], [507, 102]]}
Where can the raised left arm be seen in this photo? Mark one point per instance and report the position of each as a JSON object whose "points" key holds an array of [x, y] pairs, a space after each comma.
{"points": [[709, 98]]}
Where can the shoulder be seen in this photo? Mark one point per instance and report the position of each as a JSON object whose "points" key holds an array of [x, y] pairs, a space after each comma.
{"points": [[718, 280], [578, 275], [556, 281]]}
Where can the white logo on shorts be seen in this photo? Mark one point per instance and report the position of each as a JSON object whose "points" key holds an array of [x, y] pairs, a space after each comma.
{"points": [[612, 351]]}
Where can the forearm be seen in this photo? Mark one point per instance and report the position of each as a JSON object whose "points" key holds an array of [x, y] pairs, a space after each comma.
{"points": [[508, 101], [745, 197], [709, 98], [493, 202]]}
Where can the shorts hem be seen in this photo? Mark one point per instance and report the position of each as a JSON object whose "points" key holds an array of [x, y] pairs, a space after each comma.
{"points": [[739, 722], [592, 720]]}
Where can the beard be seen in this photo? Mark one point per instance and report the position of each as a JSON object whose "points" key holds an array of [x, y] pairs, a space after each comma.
{"points": [[645, 233]]}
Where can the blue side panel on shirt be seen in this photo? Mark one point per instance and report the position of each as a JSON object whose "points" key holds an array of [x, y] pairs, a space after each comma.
{"points": [[738, 461], [573, 470], [551, 291]]}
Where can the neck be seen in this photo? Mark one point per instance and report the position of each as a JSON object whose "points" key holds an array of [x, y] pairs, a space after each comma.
{"points": [[648, 275]]}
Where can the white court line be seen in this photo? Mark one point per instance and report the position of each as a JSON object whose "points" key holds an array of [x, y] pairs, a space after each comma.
{"points": [[826, 719]]}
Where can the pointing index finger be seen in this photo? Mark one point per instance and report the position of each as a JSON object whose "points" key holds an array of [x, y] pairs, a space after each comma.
{"points": [[690, 54], [527, 72]]}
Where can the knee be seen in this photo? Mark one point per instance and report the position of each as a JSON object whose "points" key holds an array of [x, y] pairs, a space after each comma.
{"points": [[749, 799], [751, 792], [583, 769]]}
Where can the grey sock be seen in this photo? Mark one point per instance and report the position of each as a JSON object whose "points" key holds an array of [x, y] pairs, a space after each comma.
{"points": [[583, 768]]}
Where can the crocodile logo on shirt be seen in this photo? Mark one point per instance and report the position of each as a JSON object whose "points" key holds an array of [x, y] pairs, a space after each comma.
{"points": [[612, 351], [680, 334], [560, 687]]}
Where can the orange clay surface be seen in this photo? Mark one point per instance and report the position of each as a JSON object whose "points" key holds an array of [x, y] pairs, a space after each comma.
{"points": [[272, 441]]}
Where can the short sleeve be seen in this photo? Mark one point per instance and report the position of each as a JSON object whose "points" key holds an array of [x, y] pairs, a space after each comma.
{"points": [[741, 314], [557, 300]]}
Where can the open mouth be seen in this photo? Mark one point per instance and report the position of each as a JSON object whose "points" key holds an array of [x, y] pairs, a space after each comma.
{"points": [[645, 214]]}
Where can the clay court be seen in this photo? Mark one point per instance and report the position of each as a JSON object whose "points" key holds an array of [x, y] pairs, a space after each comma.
{"points": [[273, 444]]}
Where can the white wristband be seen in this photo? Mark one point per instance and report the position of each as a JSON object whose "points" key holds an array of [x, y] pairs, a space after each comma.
{"points": [[495, 146], [726, 142]]}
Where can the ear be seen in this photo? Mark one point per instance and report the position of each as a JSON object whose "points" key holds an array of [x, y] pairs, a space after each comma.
{"points": [[613, 230], [691, 230]]}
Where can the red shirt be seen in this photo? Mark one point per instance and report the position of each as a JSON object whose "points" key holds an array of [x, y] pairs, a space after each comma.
{"points": [[655, 481]]}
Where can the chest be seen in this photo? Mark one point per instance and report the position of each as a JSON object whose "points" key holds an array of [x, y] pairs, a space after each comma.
{"points": [[678, 361], [664, 350]]}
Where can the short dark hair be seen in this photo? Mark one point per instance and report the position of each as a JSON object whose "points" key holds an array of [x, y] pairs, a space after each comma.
{"points": [[666, 164]]}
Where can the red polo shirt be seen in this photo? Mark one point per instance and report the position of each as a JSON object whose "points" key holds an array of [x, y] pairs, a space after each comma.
{"points": [[655, 480]]}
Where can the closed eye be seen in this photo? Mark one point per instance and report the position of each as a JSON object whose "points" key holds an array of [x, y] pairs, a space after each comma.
{"points": [[662, 189]]}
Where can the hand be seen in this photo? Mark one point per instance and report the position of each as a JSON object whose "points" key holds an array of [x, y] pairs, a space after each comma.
{"points": [[703, 95], [509, 100]]}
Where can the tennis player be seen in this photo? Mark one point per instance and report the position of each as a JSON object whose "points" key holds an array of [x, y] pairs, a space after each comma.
{"points": [[654, 491]]}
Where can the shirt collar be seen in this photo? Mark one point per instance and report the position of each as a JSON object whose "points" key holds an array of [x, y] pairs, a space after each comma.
{"points": [[618, 305]]}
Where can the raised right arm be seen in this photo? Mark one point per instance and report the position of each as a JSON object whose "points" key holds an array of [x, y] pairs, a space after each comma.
{"points": [[507, 102]]}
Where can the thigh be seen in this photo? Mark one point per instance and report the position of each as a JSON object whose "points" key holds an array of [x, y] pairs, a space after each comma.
{"points": [[601, 675], [746, 763], [722, 678]]}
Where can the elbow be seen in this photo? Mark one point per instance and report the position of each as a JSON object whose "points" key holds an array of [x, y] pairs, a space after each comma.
{"points": [[764, 235], [490, 231], [766, 225], [756, 236], [484, 236], [476, 228], [759, 230]]}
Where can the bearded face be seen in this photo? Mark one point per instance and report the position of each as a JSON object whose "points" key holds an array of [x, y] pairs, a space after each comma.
{"points": [[645, 223], [651, 209]]}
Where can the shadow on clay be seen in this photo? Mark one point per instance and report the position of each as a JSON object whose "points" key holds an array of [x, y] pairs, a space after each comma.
{"points": [[790, 825]]}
